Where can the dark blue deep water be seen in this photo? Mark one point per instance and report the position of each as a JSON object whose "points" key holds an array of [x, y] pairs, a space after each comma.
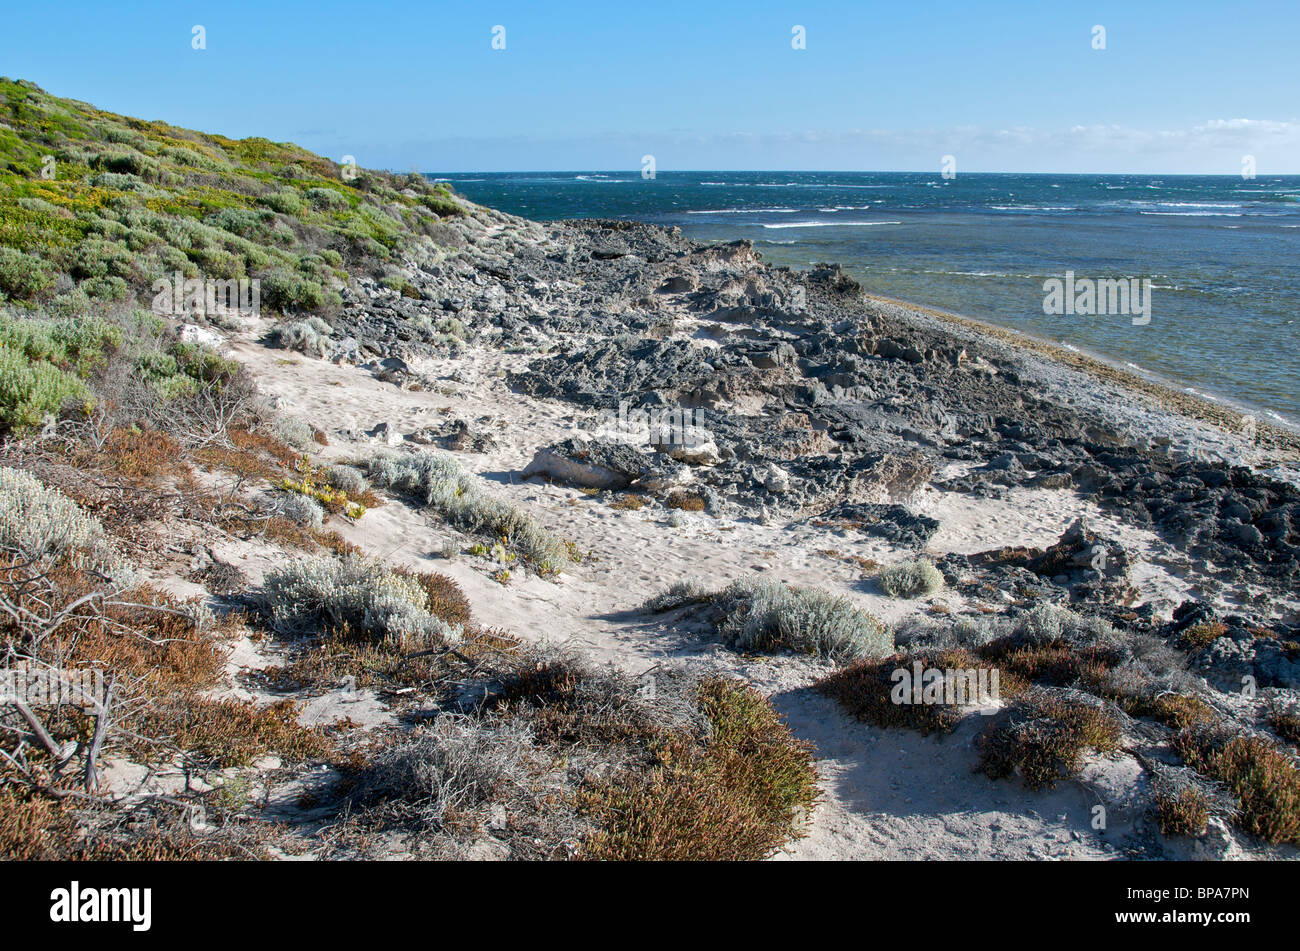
{"points": [[1222, 253]]}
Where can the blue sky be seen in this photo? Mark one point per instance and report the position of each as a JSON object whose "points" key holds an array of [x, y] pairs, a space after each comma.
{"points": [[1186, 86]]}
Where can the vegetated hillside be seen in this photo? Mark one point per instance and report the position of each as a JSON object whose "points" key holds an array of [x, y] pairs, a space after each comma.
{"points": [[95, 207], [131, 450]]}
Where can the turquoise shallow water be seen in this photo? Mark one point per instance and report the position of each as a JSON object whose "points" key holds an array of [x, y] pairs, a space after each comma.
{"points": [[1222, 254]]}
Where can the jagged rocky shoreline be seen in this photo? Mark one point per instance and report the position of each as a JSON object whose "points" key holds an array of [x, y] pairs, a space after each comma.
{"points": [[814, 395]]}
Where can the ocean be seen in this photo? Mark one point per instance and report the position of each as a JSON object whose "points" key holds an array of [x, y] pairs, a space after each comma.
{"points": [[1221, 254]]}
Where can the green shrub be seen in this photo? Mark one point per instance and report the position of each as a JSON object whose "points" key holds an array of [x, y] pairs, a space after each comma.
{"points": [[326, 199], [351, 597], [42, 363], [29, 392], [910, 579], [22, 276], [442, 204], [244, 222], [111, 288], [80, 344], [766, 615], [42, 522], [287, 202], [440, 483], [99, 257], [285, 291]]}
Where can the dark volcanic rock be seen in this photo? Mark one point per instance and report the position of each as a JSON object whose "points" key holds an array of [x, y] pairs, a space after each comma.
{"points": [[603, 464], [853, 399], [895, 523]]}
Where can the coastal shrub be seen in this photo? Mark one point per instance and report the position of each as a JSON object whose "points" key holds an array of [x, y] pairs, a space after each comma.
{"points": [[867, 690], [738, 795], [42, 522], [99, 258], [1182, 812], [352, 598], [570, 760], [286, 201], [1256, 770], [285, 291], [301, 510], [110, 288], [1044, 736], [446, 598], [1046, 624], [678, 594], [923, 633], [910, 579], [1056, 663], [326, 199], [1180, 711], [449, 330], [1202, 635], [1286, 724], [685, 501], [311, 483], [766, 615], [438, 481], [22, 276], [294, 431], [309, 336], [442, 204], [443, 772], [347, 479], [29, 392]]}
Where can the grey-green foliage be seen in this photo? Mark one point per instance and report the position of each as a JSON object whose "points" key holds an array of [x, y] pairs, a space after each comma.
{"points": [[45, 525], [1042, 624], [23, 275], [923, 633], [679, 593], [300, 509], [437, 480], [294, 431], [910, 579], [326, 199], [1046, 623], [757, 614], [333, 592], [347, 478], [311, 336], [41, 521]]}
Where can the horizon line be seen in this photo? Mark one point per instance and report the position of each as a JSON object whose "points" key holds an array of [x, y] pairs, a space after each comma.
{"points": [[842, 171]]}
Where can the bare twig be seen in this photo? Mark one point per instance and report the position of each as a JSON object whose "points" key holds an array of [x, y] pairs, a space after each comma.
{"points": [[101, 731]]}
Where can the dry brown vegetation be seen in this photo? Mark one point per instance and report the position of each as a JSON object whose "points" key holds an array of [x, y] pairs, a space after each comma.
{"points": [[735, 797], [865, 690], [1257, 771], [685, 501], [1184, 812], [1044, 737], [1286, 724]]}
